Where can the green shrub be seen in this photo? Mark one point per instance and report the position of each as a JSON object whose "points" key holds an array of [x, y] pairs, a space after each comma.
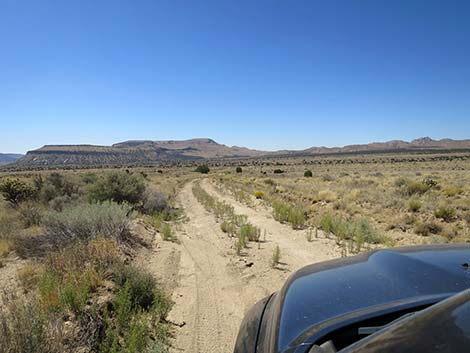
{"points": [[161, 305], [445, 213], [240, 243], [400, 182], [70, 275], [141, 286], [10, 223], [278, 171], [164, 228], [157, 347], [89, 178], [55, 185], [308, 173], [283, 212], [167, 233], [138, 312], [154, 202], [203, 169], [238, 219], [136, 338], [6, 246], [250, 232], [59, 203], [416, 188], [327, 223], [428, 228], [414, 205], [57, 180], [49, 292], [296, 217], [228, 227], [357, 231], [122, 305], [75, 292], [364, 232], [30, 212], [129, 321], [269, 182], [327, 195], [15, 191], [431, 183], [259, 194], [23, 328], [88, 221], [110, 342], [118, 187], [238, 170], [452, 191], [94, 257]]}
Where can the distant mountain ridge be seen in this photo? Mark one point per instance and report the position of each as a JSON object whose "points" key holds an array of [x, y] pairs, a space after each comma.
{"points": [[6, 158], [419, 143], [139, 152]]}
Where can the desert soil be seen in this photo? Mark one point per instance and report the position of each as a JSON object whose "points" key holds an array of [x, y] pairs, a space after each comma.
{"points": [[8, 276], [215, 286]]}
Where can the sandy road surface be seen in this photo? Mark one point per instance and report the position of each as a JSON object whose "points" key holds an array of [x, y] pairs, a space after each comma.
{"points": [[296, 251], [216, 287], [209, 298]]}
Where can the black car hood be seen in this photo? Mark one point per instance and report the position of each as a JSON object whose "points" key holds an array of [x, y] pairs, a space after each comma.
{"points": [[317, 294]]}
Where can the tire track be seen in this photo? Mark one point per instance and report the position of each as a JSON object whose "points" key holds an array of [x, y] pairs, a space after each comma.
{"points": [[209, 297], [295, 249]]}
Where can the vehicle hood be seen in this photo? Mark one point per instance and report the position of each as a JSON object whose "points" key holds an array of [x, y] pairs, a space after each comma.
{"points": [[319, 296]]}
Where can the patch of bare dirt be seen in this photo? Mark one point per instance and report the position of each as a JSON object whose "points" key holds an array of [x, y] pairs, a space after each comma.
{"points": [[8, 275], [160, 258]]}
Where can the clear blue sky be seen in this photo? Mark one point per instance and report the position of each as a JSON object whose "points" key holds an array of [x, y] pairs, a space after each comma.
{"points": [[264, 74]]}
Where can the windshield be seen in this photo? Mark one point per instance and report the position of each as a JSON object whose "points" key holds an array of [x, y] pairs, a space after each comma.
{"points": [[443, 327]]}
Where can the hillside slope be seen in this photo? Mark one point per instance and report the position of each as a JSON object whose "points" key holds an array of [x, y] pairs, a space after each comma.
{"points": [[424, 143], [6, 158], [131, 153], [140, 152]]}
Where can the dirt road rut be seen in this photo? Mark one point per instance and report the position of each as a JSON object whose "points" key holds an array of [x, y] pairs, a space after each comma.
{"points": [[208, 300], [216, 287]]}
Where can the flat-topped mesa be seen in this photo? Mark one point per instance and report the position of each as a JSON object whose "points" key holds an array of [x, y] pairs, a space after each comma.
{"points": [[165, 143], [139, 152]]}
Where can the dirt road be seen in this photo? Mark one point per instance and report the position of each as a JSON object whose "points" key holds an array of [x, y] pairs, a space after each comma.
{"points": [[216, 287], [296, 251], [208, 299]]}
